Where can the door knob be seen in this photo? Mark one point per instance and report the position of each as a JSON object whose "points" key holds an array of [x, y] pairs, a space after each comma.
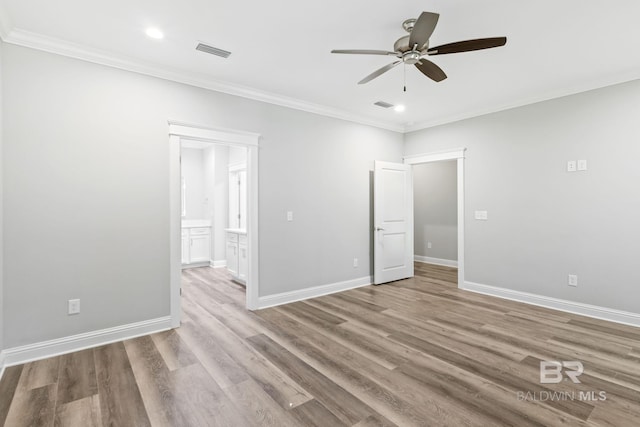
{"points": [[379, 229]]}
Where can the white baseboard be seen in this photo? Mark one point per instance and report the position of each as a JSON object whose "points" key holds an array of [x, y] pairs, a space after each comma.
{"points": [[603, 313], [45, 349], [2, 364], [218, 264], [316, 291], [437, 261], [196, 265]]}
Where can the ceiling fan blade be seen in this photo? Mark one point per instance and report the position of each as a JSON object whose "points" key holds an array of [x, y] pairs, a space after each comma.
{"points": [[422, 29], [431, 70], [364, 52], [378, 72], [467, 45]]}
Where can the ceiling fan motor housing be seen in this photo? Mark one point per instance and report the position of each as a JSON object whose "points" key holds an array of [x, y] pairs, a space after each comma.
{"points": [[402, 45]]}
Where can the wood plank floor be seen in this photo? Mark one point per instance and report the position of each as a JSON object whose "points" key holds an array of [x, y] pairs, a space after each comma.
{"points": [[417, 352]]}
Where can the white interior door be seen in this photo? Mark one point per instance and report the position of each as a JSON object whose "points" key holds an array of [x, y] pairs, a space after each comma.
{"points": [[393, 222]]}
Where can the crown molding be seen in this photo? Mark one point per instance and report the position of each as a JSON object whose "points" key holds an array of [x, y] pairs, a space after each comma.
{"points": [[62, 47], [574, 90], [24, 38]]}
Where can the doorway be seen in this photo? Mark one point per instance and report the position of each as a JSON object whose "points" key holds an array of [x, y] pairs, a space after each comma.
{"points": [[440, 158], [178, 134], [435, 214]]}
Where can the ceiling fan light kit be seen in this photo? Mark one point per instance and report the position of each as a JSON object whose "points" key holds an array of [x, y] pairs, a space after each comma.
{"points": [[414, 48]]}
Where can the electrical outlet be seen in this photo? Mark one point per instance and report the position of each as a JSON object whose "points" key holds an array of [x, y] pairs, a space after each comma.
{"points": [[428, 245], [573, 280], [571, 166], [355, 262], [289, 216], [74, 306]]}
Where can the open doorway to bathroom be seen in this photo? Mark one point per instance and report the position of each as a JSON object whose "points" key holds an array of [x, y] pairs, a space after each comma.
{"points": [[214, 206], [213, 220]]}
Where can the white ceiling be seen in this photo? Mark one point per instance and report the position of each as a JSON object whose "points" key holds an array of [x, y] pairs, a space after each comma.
{"points": [[281, 49]]}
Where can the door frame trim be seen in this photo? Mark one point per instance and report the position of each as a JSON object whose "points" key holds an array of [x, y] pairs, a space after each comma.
{"points": [[457, 154], [181, 130]]}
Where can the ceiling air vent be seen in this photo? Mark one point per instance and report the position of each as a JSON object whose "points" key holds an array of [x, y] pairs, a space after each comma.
{"points": [[383, 104], [212, 50]]}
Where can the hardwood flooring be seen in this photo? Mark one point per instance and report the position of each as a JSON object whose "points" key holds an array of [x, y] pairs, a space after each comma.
{"points": [[416, 352]]}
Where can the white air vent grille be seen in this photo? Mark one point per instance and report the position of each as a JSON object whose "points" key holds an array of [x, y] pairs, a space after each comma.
{"points": [[212, 50], [383, 104]]}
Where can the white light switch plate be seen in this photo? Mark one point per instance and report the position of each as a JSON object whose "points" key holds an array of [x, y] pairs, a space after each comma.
{"points": [[582, 165], [289, 216], [481, 215], [74, 306]]}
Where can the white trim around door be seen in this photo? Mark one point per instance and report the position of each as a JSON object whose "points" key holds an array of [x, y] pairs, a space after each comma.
{"points": [[177, 132], [437, 156]]}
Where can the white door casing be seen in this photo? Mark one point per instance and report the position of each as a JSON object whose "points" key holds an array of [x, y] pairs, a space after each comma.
{"points": [[457, 154], [393, 222]]}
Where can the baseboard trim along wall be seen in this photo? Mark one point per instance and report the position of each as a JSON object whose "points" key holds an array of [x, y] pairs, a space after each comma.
{"points": [[196, 265], [45, 349], [603, 313], [316, 291], [2, 364], [437, 261], [218, 264]]}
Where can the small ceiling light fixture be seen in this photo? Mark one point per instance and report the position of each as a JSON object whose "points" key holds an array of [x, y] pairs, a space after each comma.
{"points": [[155, 33], [399, 108]]}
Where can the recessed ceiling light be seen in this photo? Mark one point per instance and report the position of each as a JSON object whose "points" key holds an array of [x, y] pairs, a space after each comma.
{"points": [[155, 33], [399, 108]]}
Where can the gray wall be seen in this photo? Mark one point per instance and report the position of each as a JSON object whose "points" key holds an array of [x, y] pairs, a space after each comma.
{"points": [[435, 210], [86, 174], [545, 223]]}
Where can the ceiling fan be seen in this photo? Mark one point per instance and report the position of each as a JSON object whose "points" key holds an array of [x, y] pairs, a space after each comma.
{"points": [[413, 49]]}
